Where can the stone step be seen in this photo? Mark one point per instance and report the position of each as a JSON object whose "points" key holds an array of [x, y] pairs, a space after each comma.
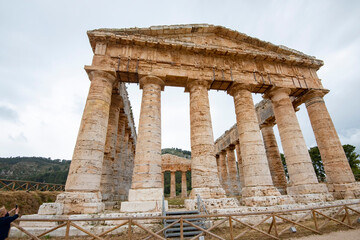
{"points": [[177, 229], [187, 234], [169, 221], [181, 213]]}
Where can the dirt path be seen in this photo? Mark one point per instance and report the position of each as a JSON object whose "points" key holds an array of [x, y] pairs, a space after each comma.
{"points": [[342, 235]]}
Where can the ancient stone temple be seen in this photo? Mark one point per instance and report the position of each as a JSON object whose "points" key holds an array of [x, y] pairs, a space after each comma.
{"points": [[111, 163]]}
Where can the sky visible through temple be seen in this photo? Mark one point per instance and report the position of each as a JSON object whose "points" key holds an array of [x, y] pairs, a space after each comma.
{"points": [[44, 46]]}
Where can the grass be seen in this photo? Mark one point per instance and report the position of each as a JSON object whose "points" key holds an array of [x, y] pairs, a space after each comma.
{"points": [[28, 202], [175, 201]]}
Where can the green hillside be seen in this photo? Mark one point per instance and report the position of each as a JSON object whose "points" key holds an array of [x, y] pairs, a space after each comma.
{"points": [[36, 169]]}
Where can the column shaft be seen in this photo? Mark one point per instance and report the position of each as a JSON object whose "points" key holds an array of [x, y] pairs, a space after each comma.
{"points": [[257, 177], [172, 185], [118, 170], [239, 165], [274, 159], [205, 181], [336, 165], [86, 165], [233, 175], [183, 185], [224, 175], [107, 178], [146, 179]]}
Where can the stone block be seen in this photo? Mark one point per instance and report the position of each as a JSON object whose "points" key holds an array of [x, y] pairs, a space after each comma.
{"points": [[51, 209], [142, 206]]}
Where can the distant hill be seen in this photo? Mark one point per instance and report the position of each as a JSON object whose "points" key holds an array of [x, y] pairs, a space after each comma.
{"points": [[177, 152], [40, 169], [36, 169]]}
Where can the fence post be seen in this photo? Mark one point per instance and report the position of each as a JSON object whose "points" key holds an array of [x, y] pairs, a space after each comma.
{"points": [[231, 228], [181, 228], [315, 220], [129, 229], [67, 230]]}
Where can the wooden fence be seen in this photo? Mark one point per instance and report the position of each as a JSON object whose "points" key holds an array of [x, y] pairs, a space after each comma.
{"points": [[18, 185], [273, 225]]}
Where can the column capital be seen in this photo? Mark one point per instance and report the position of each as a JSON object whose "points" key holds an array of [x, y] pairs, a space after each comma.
{"points": [[151, 80], [196, 82], [275, 92], [231, 147], [267, 124], [312, 95], [108, 76], [240, 86]]}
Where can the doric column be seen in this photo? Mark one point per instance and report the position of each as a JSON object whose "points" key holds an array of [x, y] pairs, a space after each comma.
{"points": [[257, 177], [301, 171], [239, 165], [224, 174], [233, 175], [162, 179], [123, 188], [172, 184], [205, 181], [217, 156], [273, 156], [338, 172], [146, 178], [183, 185], [107, 179], [118, 170], [83, 182]]}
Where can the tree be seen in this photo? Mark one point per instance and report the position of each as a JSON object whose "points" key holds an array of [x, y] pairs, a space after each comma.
{"points": [[353, 159], [317, 164]]}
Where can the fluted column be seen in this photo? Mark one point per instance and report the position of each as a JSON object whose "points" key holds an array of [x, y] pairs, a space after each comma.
{"points": [[107, 186], [162, 180], [146, 178], [274, 158], [224, 174], [233, 175], [338, 172], [83, 182], [217, 156], [302, 176], [205, 181], [257, 177], [172, 184], [239, 166], [118, 170], [183, 185]]}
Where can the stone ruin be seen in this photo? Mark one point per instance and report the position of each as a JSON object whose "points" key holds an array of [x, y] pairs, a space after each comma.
{"points": [[111, 164]]}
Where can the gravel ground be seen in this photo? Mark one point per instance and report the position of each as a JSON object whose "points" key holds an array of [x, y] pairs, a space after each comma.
{"points": [[342, 235]]}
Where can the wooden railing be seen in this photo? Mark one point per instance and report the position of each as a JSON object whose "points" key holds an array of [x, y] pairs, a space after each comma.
{"points": [[18, 185], [273, 225]]}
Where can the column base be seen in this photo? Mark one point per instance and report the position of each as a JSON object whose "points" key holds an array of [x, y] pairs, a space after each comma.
{"points": [[212, 203], [307, 193], [260, 191], [307, 189], [144, 200], [264, 196], [345, 190], [75, 203], [208, 193]]}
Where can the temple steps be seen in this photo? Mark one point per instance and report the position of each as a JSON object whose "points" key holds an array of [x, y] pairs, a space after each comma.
{"points": [[188, 230]]}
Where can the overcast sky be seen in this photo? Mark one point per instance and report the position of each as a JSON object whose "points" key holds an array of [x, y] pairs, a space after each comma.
{"points": [[44, 46]]}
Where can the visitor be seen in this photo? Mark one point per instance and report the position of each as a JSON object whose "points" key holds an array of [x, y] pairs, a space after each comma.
{"points": [[5, 221]]}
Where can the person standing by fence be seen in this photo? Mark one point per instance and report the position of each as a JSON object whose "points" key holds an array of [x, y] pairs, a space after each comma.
{"points": [[5, 221]]}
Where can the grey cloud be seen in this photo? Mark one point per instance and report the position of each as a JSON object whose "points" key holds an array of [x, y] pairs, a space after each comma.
{"points": [[8, 114], [19, 138]]}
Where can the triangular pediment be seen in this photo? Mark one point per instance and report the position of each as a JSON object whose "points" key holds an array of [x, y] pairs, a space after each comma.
{"points": [[204, 36]]}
